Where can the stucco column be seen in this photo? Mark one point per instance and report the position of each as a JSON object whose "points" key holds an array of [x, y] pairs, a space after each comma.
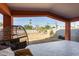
{"points": [[67, 31], [7, 27]]}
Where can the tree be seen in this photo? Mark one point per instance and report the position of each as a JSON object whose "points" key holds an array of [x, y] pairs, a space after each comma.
{"points": [[28, 27], [30, 22], [47, 27]]}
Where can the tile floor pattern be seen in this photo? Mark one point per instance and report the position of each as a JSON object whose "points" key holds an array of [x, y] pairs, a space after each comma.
{"points": [[58, 48]]}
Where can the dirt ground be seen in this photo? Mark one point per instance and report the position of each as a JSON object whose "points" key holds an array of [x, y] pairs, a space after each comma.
{"points": [[37, 36]]}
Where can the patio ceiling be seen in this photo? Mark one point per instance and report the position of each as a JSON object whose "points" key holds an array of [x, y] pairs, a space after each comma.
{"points": [[66, 10]]}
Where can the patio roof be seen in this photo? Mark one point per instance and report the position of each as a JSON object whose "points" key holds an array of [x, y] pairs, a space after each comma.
{"points": [[63, 10], [66, 12]]}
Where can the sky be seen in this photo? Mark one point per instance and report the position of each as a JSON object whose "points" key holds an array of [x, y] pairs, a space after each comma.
{"points": [[40, 21], [1, 18]]}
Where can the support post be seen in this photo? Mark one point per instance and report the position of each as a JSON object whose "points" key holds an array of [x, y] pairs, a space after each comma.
{"points": [[7, 27], [67, 31]]}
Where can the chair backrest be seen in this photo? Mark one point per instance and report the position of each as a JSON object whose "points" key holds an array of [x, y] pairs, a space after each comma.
{"points": [[20, 32]]}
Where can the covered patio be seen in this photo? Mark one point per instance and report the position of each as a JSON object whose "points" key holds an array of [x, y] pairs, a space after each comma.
{"points": [[22, 10], [65, 12]]}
